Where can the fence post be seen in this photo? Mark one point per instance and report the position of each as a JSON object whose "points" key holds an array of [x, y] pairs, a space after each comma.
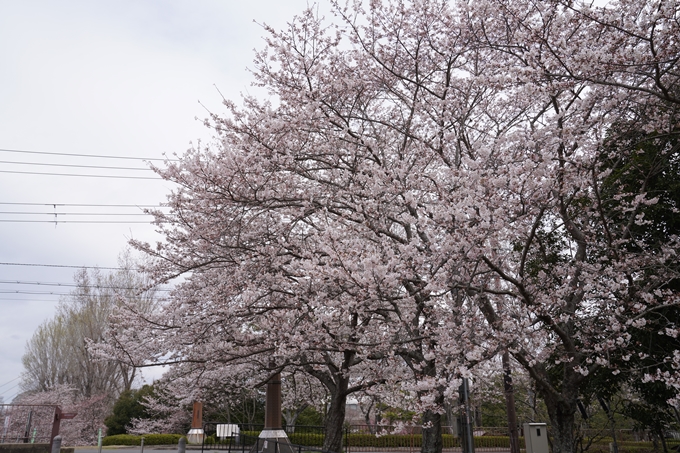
{"points": [[56, 444], [27, 433], [142, 444], [182, 445]]}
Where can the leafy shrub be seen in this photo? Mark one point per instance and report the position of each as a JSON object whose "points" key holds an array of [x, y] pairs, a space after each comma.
{"points": [[161, 439], [306, 439], [121, 439], [128, 406], [149, 439]]}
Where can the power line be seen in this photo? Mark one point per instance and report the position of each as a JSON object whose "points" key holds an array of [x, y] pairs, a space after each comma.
{"points": [[74, 166], [65, 266], [87, 155], [8, 382], [70, 285], [37, 293], [55, 213], [85, 176], [32, 299], [77, 221], [85, 205], [42, 293], [13, 387]]}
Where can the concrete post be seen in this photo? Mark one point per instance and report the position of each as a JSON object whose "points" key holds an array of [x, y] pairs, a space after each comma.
{"points": [[197, 416], [274, 439], [55, 425], [272, 409], [182, 445], [196, 434], [56, 444]]}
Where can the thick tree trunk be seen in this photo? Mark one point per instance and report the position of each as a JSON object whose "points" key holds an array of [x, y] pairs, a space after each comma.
{"points": [[432, 432], [432, 421], [561, 412], [335, 419]]}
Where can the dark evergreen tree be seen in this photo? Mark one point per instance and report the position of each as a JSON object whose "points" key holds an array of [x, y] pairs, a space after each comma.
{"points": [[128, 406]]}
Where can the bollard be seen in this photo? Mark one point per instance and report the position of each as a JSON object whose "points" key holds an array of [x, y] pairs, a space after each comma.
{"points": [[56, 444], [182, 445], [142, 445], [99, 440]]}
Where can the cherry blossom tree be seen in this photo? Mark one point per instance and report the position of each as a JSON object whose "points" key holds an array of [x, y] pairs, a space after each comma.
{"points": [[219, 338], [90, 410], [429, 184], [561, 247]]}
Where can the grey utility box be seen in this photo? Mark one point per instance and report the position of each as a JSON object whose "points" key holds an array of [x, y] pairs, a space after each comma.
{"points": [[536, 437]]}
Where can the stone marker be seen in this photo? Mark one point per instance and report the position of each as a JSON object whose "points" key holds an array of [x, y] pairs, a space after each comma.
{"points": [[273, 439], [196, 434]]}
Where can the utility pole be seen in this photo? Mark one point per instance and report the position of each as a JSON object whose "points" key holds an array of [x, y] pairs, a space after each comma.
{"points": [[510, 403], [466, 420]]}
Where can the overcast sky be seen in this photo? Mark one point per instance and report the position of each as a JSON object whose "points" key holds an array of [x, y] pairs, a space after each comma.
{"points": [[101, 78]]}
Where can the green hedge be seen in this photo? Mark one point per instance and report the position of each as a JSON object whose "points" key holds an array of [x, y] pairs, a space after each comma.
{"points": [[629, 446], [149, 439]]}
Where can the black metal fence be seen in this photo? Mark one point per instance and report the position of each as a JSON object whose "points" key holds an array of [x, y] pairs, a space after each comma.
{"points": [[356, 438], [308, 439], [377, 438]]}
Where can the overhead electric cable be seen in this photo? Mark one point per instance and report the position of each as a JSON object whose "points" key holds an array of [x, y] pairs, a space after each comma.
{"points": [[60, 213], [103, 167], [13, 387], [86, 155], [76, 221], [26, 299], [8, 382], [70, 285], [84, 176], [85, 205], [65, 266], [37, 293], [41, 293]]}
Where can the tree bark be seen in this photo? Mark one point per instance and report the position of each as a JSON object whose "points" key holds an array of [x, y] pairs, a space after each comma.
{"points": [[335, 418], [432, 432], [291, 416], [561, 412], [432, 421]]}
